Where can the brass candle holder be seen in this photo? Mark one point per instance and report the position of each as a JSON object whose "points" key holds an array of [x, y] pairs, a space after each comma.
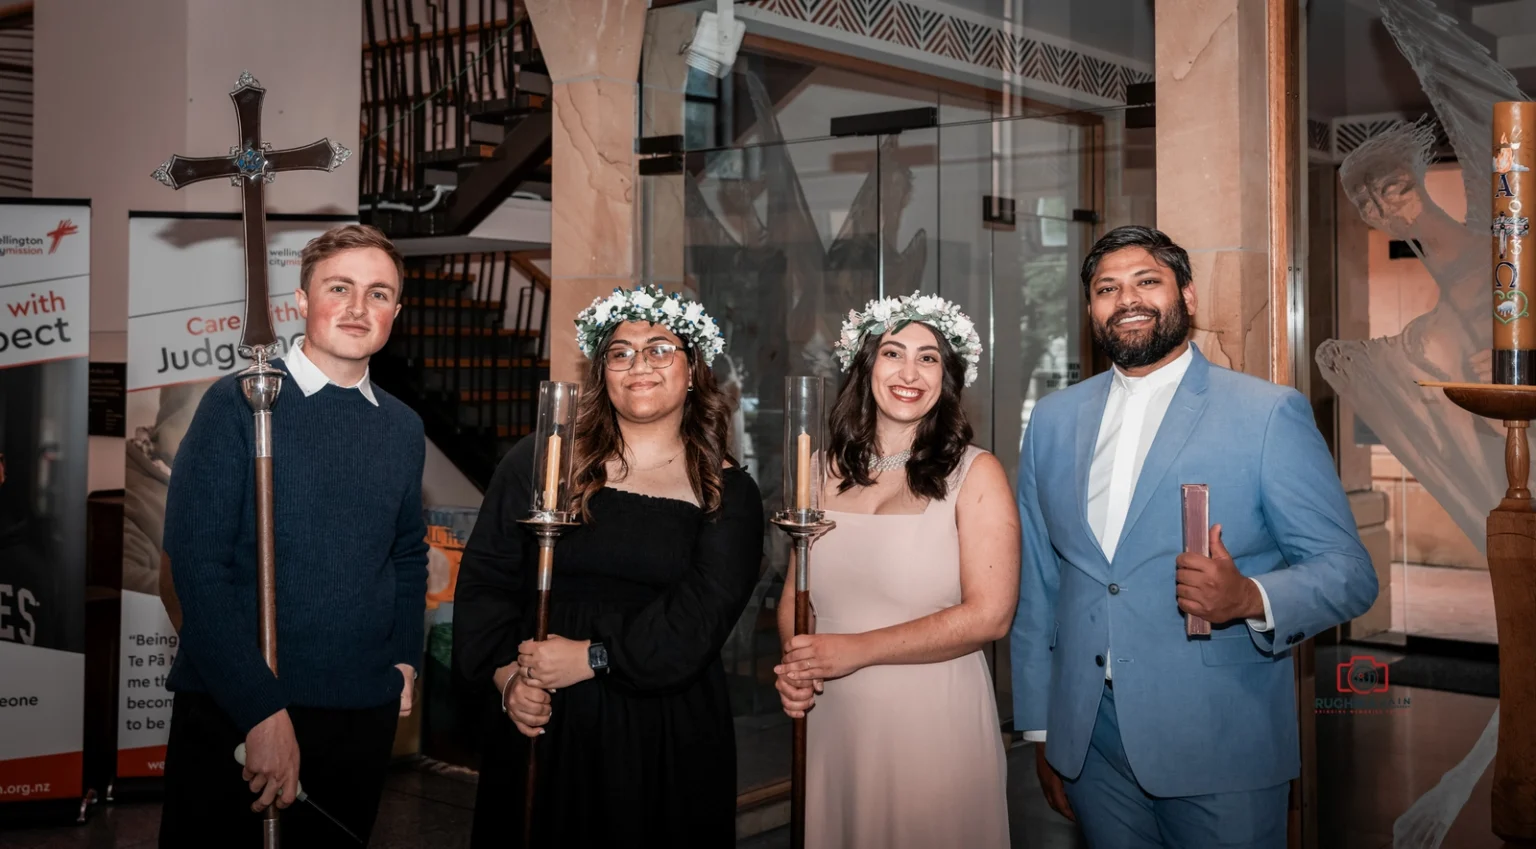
{"points": [[804, 521], [549, 517]]}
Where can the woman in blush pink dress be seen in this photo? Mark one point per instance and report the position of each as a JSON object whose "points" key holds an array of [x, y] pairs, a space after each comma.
{"points": [[904, 749]]}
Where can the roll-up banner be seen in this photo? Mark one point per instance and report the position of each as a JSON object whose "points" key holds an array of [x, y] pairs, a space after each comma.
{"points": [[45, 310], [186, 301]]}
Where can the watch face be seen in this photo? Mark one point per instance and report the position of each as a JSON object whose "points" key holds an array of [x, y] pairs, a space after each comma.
{"points": [[597, 656]]}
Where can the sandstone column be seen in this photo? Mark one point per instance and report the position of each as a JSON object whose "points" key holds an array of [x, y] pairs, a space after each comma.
{"points": [[592, 49], [1213, 194], [1227, 148], [663, 225]]}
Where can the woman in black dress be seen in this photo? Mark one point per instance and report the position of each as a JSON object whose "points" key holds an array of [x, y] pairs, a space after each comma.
{"points": [[628, 694]]}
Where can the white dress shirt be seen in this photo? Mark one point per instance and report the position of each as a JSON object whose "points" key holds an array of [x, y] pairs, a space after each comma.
{"points": [[311, 379], [1131, 420]]}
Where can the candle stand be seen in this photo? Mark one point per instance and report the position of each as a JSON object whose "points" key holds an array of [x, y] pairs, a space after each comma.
{"points": [[804, 522], [549, 517]]}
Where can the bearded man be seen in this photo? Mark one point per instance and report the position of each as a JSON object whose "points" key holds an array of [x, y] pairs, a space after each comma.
{"points": [[1147, 736]]}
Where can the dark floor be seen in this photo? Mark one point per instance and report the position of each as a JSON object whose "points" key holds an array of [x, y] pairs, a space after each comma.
{"points": [[1371, 768]]}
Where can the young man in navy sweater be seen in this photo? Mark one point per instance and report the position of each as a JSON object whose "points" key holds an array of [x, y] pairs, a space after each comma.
{"points": [[351, 575]]}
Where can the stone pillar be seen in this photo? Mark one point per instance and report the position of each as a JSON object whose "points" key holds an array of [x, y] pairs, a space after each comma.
{"points": [[592, 49], [1212, 168], [1227, 146], [120, 87], [663, 214]]}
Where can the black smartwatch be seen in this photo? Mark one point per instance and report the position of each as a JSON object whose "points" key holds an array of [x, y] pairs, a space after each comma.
{"points": [[597, 658]]}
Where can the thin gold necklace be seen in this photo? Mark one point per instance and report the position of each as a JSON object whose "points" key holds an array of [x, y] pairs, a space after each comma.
{"points": [[663, 465]]}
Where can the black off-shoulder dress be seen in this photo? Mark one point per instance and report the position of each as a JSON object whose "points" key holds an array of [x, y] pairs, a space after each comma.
{"points": [[646, 752]]}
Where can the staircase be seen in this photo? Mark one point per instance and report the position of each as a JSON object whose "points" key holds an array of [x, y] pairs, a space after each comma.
{"points": [[455, 125], [468, 353], [16, 32]]}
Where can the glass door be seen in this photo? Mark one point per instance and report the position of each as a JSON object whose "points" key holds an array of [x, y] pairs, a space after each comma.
{"points": [[783, 237], [782, 241]]}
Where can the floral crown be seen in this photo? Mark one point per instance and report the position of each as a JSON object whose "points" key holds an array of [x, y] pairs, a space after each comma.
{"points": [[886, 314], [649, 303]]}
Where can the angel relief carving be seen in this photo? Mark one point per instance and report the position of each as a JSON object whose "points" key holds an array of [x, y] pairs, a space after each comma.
{"points": [[1456, 456]]}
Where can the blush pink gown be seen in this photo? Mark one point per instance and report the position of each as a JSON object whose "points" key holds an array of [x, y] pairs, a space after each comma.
{"points": [[901, 757]]}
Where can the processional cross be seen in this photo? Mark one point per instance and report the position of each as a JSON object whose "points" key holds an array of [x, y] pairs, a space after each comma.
{"points": [[251, 165]]}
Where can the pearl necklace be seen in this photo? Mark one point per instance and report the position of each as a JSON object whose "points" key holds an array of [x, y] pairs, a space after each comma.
{"points": [[891, 463]]}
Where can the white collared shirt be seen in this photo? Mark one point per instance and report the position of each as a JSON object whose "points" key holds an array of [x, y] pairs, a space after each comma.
{"points": [[311, 379]]}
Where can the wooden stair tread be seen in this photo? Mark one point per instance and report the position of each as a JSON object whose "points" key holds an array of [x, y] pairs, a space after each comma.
{"points": [[454, 276], [471, 331], [456, 154], [473, 396], [452, 303], [483, 362], [523, 102]]}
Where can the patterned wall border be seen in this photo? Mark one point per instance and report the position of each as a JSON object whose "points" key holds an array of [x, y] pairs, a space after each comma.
{"points": [[961, 40], [1319, 136], [1333, 140]]}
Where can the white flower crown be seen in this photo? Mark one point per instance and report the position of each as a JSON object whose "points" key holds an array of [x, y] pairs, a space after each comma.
{"points": [[886, 314], [649, 303]]}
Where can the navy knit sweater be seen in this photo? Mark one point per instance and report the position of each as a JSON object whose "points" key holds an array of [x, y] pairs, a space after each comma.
{"points": [[351, 551]]}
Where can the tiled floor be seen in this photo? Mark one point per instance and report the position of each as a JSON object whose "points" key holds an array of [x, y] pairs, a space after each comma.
{"points": [[1451, 604], [1371, 768]]}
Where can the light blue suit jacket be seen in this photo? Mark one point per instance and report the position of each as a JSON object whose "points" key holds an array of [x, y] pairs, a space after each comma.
{"points": [[1197, 715]]}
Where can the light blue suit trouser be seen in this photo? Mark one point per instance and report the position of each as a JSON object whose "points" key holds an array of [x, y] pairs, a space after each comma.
{"points": [[1115, 813]]}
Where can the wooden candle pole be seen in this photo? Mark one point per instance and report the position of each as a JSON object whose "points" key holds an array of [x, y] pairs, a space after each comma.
{"points": [[802, 519], [549, 518], [802, 626]]}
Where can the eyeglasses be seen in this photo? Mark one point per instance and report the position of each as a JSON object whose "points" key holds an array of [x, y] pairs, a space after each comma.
{"points": [[622, 358]]}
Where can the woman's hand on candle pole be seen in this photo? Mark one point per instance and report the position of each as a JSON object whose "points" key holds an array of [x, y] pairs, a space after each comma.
{"points": [[814, 658], [529, 707], [795, 698], [554, 663]]}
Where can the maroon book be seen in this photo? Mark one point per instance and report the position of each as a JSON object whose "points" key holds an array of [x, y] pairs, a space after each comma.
{"points": [[1197, 540]]}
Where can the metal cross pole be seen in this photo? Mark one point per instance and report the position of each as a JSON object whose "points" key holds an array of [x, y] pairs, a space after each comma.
{"points": [[251, 165]]}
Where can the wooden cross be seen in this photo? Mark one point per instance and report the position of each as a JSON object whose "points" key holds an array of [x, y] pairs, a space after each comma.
{"points": [[251, 165]]}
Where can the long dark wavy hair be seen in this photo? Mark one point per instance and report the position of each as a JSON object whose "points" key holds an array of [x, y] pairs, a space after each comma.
{"points": [[941, 439], [706, 431]]}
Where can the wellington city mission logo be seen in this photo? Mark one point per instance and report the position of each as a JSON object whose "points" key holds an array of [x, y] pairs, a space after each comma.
{"points": [[13, 245]]}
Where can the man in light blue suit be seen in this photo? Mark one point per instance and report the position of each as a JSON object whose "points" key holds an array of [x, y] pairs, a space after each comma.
{"points": [[1151, 737]]}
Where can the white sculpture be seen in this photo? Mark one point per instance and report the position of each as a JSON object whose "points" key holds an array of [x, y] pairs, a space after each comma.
{"points": [[1458, 457]]}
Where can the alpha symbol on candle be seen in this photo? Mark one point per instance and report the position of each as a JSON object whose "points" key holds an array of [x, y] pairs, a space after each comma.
{"points": [[803, 472], [552, 473]]}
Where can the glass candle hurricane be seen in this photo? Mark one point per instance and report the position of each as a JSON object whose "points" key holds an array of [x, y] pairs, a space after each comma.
{"points": [[805, 433], [554, 447]]}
